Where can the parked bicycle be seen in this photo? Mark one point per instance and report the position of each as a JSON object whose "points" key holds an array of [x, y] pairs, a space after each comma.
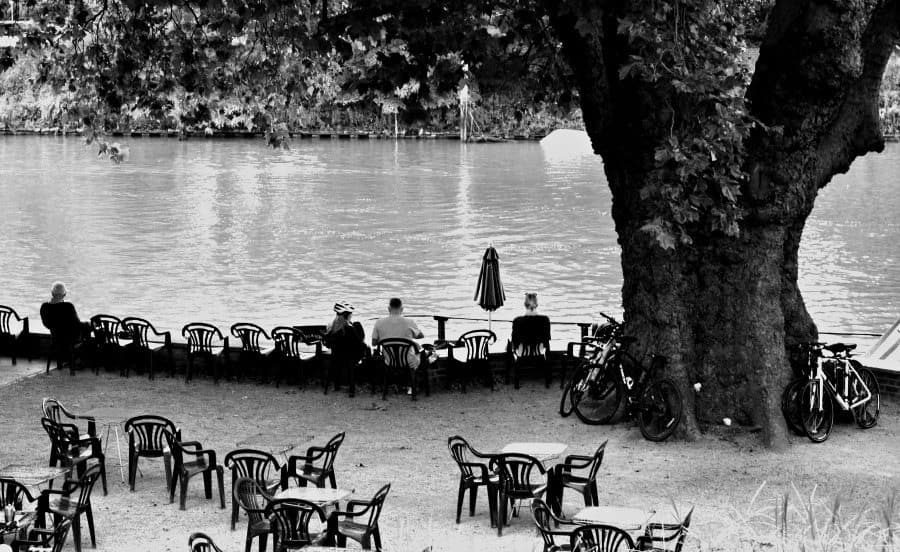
{"points": [[592, 349], [612, 379], [829, 377]]}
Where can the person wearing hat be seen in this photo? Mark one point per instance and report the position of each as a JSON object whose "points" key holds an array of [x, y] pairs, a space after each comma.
{"points": [[347, 341]]}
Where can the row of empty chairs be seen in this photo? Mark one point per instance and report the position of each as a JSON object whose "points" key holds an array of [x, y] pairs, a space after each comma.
{"points": [[256, 477]]}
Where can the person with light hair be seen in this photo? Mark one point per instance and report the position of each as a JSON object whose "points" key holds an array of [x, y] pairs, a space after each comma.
{"points": [[531, 333], [347, 341], [59, 316]]}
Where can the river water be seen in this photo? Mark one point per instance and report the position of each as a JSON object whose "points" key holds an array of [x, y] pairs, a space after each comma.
{"points": [[229, 230]]}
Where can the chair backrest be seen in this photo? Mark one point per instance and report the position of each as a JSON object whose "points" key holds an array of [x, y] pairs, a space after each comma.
{"points": [[600, 538], [287, 341], [463, 454], [249, 335], [257, 465], [546, 523], [532, 350], [331, 450], [395, 351], [6, 315], [377, 504], [516, 471], [200, 542], [598, 459], [202, 337], [476, 342], [60, 439], [290, 519], [106, 329], [12, 492], [52, 409], [139, 330], [47, 542], [670, 535], [149, 433], [80, 491], [311, 332], [251, 496]]}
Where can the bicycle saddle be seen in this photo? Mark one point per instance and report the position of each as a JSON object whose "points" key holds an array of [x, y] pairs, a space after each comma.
{"points": [[838, 348]]}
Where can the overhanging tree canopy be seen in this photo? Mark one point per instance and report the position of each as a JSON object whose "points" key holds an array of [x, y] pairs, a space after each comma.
{"points": [[713, 171]]}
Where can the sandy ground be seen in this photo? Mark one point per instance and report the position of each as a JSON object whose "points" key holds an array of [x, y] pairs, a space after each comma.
{"points": [[405, 444]]}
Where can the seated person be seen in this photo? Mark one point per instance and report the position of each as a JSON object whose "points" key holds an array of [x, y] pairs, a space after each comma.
{"points": [[346, 340], [531, 328], [60, 318], [396, 325]]}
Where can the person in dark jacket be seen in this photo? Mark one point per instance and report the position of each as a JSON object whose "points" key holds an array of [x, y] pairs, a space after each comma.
{"points": [[531, 328], [346, 339], [59, 316]]}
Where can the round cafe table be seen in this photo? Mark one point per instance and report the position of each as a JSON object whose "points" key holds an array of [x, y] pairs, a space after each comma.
{"points": [[321, 496]]}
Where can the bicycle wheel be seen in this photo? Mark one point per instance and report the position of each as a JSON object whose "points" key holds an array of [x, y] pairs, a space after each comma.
{"points": [[790, 406], [866, 414], [565, 402], [817, 420], [659, 410], [597, 393]]}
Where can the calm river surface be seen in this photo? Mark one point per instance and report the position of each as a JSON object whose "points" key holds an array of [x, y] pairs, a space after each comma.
{"points": [[225, 231]]}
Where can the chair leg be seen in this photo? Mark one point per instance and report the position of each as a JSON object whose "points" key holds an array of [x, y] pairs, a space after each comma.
{"points": [[333, 480], [167, 464], [132, 469], [207, 484], [103, 474], [365, 542], [492, 504], [248, 541], [459, 500], [172, 487], [384, 381], [501, 513], [183, 495], [414, 383], [89, 513], [376, 536], [234, 513], [473, 496], [76, 532], [263, 540], [221, 477]]}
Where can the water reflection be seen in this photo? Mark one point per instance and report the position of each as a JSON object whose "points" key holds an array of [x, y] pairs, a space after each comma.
{"points": [[229, 230]]}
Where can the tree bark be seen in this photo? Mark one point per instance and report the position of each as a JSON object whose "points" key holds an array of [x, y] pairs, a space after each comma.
{"points": [[724, 310]]}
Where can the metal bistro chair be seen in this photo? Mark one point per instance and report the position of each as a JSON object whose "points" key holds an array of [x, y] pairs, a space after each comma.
{"points": [[665, 534], [205, 341], [316, 466], [394, 352], [600, 538], [253, 499], [516, 482], [200, 542], [581, 481], [555, 539], [142, 345], [108, 347], [256, 465], [149, 437], [16, 341], [290, 521], [476, 343], [253, 358], [473, 474]]}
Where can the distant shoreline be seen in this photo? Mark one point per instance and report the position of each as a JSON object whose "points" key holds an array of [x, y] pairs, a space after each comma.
{"points": [[244, 134]]}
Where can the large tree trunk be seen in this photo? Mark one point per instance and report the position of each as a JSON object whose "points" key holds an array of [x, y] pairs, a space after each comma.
{"points": [[725, 309]]}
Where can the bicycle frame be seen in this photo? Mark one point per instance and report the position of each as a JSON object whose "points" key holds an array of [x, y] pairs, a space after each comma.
{"points": [[841, 396]]}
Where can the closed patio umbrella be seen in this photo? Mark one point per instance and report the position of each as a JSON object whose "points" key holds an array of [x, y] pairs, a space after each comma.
{"points": [[489, 291]]}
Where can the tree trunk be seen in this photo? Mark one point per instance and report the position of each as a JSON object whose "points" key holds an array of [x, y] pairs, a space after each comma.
{"points": [[725, 309]]}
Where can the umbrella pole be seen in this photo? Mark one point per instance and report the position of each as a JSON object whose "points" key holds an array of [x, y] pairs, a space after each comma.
{"points": [[490, 315]]}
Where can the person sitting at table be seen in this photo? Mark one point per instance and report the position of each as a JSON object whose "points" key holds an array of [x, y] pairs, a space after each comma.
{"points": [[396, 325], [59, 316], [346, 340]]}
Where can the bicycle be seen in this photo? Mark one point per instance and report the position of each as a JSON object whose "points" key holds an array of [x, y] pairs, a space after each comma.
{"points": [[591, 349], [808, 403], [600, 388]]}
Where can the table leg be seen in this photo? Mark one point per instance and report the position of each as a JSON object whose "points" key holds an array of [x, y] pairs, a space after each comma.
{"points": [[118, 452]]}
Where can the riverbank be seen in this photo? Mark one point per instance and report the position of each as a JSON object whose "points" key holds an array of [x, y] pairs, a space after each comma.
{"points": [[404, 443]]}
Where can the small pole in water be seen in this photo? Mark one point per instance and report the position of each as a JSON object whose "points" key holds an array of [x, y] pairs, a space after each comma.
{"points": [[464, 113]]}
